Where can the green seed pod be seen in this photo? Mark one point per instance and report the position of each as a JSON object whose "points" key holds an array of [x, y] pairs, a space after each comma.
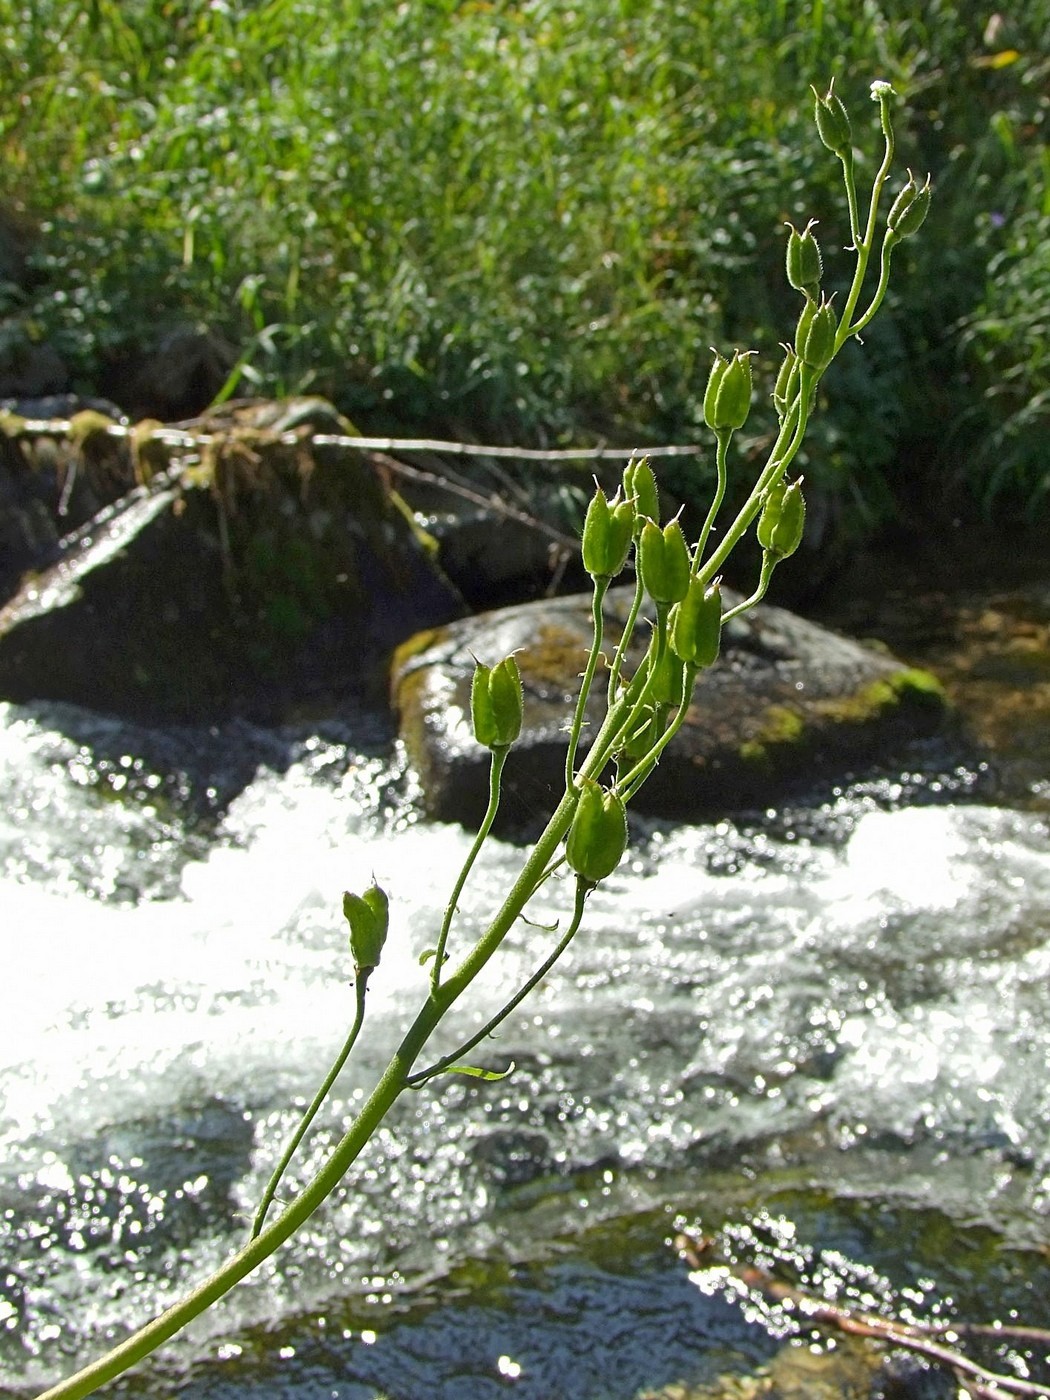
{"points": [[833, 124], [647, 732], [785, 390], [663, 561], [783, 519], [727, 398], [368, 917], [608, 529], [639, 486], [805, 267], [909, 210], [597, 837], [815, 334], [496, 703], [668, 684], [696, 624]]}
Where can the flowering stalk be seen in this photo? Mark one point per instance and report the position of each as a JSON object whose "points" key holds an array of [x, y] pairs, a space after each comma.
{"points": [[587, 830]]}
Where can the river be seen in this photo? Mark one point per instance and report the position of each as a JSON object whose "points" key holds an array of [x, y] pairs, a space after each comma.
{"points": [[822, 1031]]}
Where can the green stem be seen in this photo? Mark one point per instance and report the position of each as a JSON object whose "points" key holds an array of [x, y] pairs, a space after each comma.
{"points": [[769, 563], [888, 244], [499, 758], [416, 1081], [724, 435], [789, 440], [629, 784], [378, 1104], [865, 244], [625, 638], [311, 1113], [601, 586]]}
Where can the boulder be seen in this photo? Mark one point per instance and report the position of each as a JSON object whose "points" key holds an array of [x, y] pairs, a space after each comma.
{"points": [[267, 580], [788, 702]]}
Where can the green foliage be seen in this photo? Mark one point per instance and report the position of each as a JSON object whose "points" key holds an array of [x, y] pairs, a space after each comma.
{"points": [[531, 219]]}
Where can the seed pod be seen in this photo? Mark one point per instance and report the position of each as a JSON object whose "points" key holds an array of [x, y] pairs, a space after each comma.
{"points": [[783, 519], [597, 837], [727, 398], [663, 561], [786, 388], [805, 267], [368, 917], [815, 334], [833, 124], [496, 703], [668, 684], [643, 736], [908, 212], [608, 529], [696, 624], [639, 486]]}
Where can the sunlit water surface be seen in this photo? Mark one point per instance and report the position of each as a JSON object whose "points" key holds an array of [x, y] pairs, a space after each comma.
{"points": [[861, 987]]}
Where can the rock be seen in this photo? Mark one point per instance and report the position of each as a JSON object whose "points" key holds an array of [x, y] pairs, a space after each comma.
{"points": [[174, 378], [271, 579], [52, 485], [788, 701], [30, 367]]}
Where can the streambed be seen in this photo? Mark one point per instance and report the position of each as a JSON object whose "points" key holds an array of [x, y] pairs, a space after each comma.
{"points": [[826, 1026]]}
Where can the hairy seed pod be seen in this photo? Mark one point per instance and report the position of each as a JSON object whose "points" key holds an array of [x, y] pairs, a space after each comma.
{"points": [[639, 486], [663, 561], [833, 124], [667, 686], [783, 519], [696, 624], [645, 734], [805, 266], [815, 334], [597, 837], [908, 212], [727, 398], [368, 917], [608, 529], [496, 703]]}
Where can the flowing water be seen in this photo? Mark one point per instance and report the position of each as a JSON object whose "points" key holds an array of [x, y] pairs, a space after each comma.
{"points": [[828, 1024]]}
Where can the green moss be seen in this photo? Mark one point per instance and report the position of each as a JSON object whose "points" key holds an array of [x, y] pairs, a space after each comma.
{"points": [[780, 726], [910, 686], [783, 727]]}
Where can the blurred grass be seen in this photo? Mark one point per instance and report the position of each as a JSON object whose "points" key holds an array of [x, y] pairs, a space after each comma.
{"points": [[528, 222]]}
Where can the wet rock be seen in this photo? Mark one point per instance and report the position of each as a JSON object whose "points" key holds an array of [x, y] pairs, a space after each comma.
{"points": [[267, 581], [787, 703]]}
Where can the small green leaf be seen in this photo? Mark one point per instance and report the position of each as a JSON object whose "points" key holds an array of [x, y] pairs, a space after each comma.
{"points": [[425, 957], [476, 1073]]}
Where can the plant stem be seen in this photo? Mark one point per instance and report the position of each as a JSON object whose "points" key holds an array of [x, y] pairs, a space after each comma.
{"points": [[378, 1104], [416, 1081], [499, 758], [311, 1113], [723, 436], [601, 586]]}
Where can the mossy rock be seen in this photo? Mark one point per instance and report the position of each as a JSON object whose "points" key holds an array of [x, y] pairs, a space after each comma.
{"points": [[787, 703], [273, 579]]}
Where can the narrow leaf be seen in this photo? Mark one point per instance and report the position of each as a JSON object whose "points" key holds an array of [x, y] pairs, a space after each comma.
{"points": [[476, 1073]]}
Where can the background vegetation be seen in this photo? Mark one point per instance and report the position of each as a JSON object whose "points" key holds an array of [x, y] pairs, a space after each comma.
{"points": [[528, 222]]}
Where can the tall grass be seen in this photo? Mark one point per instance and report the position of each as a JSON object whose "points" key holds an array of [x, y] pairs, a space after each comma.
{"points": [[519, 220]]}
